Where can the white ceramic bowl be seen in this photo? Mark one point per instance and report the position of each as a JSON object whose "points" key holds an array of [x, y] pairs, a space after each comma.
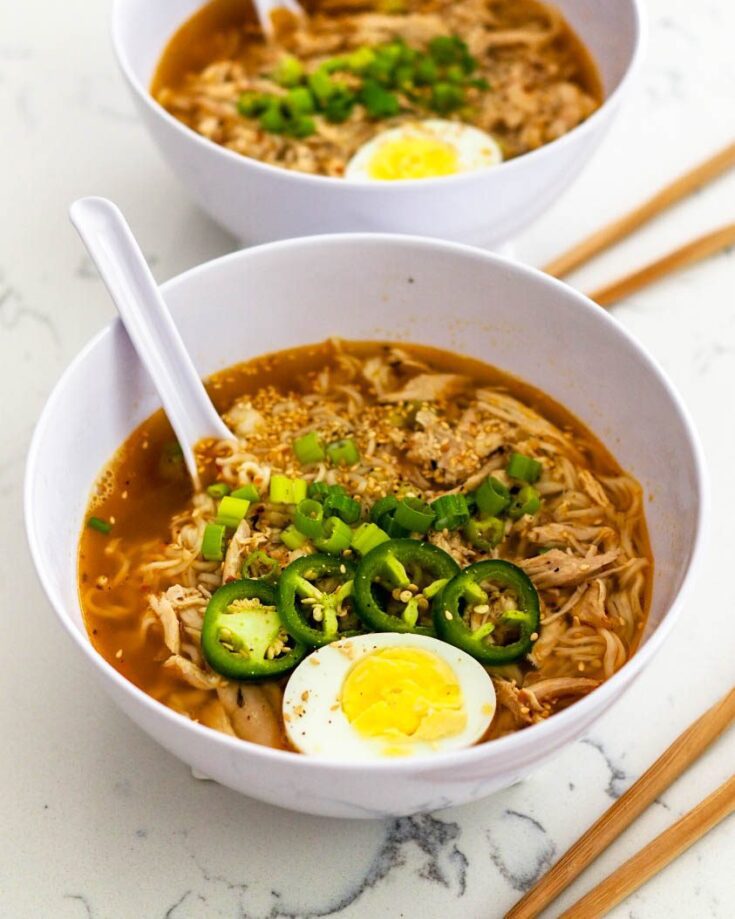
{"points": [[260, 203], [362, 287]]}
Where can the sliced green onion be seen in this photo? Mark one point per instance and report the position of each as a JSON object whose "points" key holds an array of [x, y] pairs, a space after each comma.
{"points": [[173, 450], [309, 515], [527, 501], [451, 49], [426, 73], [309, 449], [360, 59], [213, 542], [379, 102], [300, 126], [320, 83], [231, 511], [367, 537], [336, 537], [523, 468], [333, 64], [251, 104], [299, 101], [492, 497], [171, 462], [289, 71], [273, 120], [249, 492], [286, 491], [318, 490], [298, 490], [388, 523], [291, 538], [342, 506], [218, 489], [414, 514], [485, 534], [280, 489], [343, 452], [451, 512], [97, 523], [383, 506], [340, 104], [403, 76], [260, 565]]}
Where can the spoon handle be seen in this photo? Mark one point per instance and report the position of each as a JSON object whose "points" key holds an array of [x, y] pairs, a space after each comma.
{"points": [[264, 9], [146, 318]]}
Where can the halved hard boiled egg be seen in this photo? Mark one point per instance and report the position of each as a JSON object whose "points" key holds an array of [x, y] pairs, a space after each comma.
{"points": [[387, 695], [423, 150]]}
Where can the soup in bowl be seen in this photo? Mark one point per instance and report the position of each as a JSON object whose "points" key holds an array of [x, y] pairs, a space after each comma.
{"points": [[347, 90], [459, 120], [434, 554]]}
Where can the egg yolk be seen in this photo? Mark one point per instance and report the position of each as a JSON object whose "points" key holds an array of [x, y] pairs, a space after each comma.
{"points": [[403, 694], [413, 158]]}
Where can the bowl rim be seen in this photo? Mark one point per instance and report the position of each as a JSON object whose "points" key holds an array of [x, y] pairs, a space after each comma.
{"points": [[513, 745], [401, 186]]}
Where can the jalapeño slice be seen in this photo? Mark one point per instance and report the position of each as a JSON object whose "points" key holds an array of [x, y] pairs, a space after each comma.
{"points": [[396, 583], [503, 636], [315, 599], [243, 636]]}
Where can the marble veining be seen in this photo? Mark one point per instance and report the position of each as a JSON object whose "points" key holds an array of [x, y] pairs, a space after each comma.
{"points": [[618, 778], [100, 823], [441, 862], [520, 849], [14, 311]]}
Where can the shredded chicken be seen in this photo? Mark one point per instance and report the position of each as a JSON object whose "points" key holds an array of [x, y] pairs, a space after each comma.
{"points": [[175, 606], [244, 419], [413, 28], [163, 608], [568, 534], [243, 542], [508, 695], [427, 387], [560, 569], [557, 687], [591, 609], [593, 488], [192, 674], [251, 714], [514, 412]]}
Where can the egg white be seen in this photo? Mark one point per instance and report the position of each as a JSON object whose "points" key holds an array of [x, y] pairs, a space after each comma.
{"points": [[475, 149], [317, 726]]}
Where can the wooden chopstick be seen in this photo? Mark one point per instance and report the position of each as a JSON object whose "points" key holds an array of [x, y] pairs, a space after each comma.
{"points": [[656, 855], [685, 255], [669, 195], [657, 778]]}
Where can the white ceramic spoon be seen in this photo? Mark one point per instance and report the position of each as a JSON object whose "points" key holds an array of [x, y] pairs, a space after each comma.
{"points": [[264, 9], [112, 246]]}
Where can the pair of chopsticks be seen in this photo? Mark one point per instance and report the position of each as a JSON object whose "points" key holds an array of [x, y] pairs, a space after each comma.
{"points": [[658, 853], [686, 255]]}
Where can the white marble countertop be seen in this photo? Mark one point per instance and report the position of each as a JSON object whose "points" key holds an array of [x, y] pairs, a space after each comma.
{"points": [[98, 821]]}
